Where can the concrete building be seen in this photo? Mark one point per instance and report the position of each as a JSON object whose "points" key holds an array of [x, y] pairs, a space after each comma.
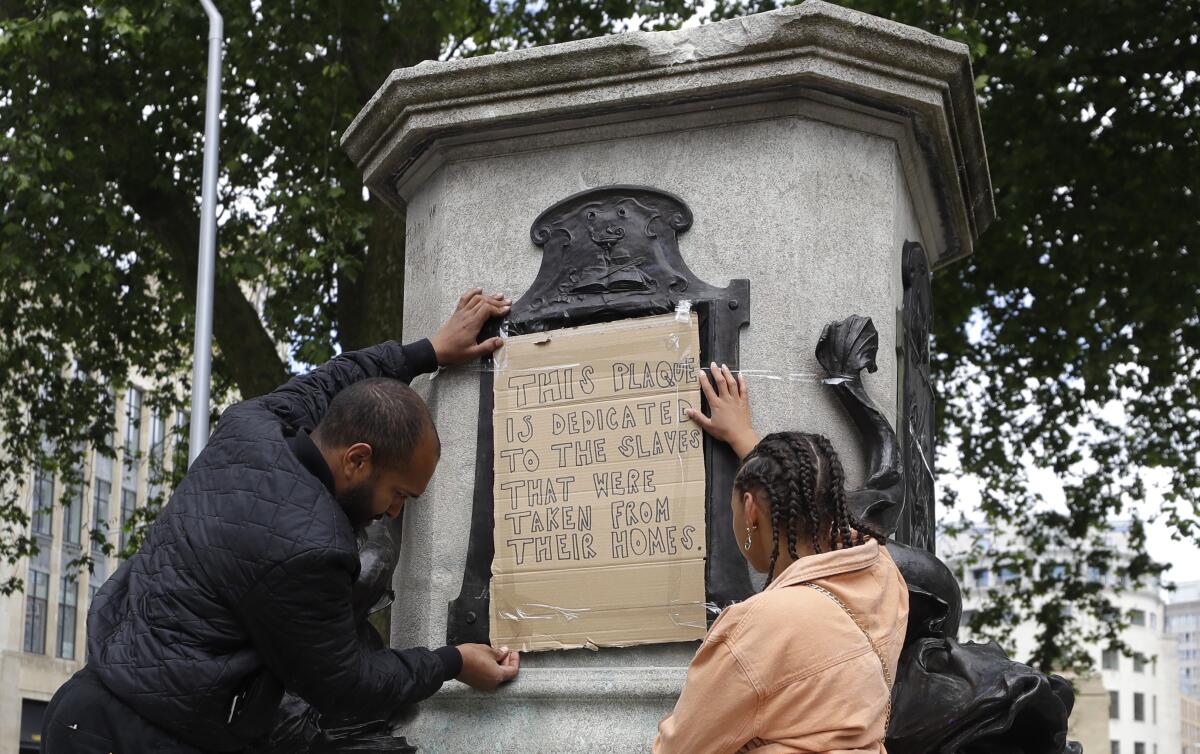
{"points": [[1189, 718], [1142, 697], [1183, 622], [42, 631]]}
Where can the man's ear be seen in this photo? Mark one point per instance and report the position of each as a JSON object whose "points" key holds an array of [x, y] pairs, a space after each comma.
{"points": [[356, 460]]}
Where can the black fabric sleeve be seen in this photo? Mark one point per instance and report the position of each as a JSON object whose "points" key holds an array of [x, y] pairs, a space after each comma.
{"points": [[300, 620], [303, 400], [452, 661]]}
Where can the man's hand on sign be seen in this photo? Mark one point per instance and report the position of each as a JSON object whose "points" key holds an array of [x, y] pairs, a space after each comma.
{"points": [[729, 404], [454, 342], [485, 668]]}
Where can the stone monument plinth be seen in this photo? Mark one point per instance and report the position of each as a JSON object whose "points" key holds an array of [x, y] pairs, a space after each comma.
{"points": [[813, 146]]}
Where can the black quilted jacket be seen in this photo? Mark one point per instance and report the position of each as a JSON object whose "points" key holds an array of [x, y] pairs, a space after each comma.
{"points": [[250, 566]]}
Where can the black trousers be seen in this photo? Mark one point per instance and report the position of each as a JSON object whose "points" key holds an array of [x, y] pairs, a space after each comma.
{"points": [[84, 717]]}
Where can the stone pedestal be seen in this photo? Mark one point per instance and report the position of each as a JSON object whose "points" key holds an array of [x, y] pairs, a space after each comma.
{"points": [[810, 144]]}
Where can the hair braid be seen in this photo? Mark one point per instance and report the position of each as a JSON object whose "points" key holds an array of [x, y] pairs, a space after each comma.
{"points": [[793, 478], [803, 482], [759, 470], [781, 489], [837, 493], [864, 529], [809, 499]]}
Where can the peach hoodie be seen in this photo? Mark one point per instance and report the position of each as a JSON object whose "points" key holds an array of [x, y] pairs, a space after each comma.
{"points": [[788, 671]]}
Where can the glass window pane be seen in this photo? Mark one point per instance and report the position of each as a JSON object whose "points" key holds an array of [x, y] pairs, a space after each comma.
{"points": [[73, 517], [42, 506], [1108, 660], [100, 509], [37, 591], [128, 503], [133, 421], [67, 611]]}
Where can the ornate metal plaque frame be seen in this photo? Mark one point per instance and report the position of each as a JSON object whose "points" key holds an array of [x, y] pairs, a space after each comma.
{"points": [[916, 431], [611, 253]]}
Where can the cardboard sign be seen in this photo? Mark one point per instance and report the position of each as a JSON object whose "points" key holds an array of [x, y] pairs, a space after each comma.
{"points": [[599, 487]]}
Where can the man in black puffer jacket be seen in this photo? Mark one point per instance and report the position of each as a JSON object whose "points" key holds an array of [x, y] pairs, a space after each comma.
{"points": [[243, 585]]}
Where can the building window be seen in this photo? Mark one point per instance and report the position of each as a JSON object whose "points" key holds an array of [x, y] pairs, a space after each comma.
{"points": [[32, 714], [128, 503], [1139, 707], [37, 592], [1153, 620], [1009, 574], [73, 517], [133, 425], [99, 574], [1154, 709], [158, 436], [67, 610], [1109, 660], [100, 502], [1139, 748], [1137, 617], [42, 507], [1114, 706], [981, 576], [1139, 664], [1114, 747], [179, 455]]}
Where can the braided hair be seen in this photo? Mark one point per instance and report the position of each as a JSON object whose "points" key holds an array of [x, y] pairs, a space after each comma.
{"points": [[804, 485]]}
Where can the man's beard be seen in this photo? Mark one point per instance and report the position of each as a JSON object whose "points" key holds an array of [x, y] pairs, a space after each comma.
{"points": [[356, 502]]}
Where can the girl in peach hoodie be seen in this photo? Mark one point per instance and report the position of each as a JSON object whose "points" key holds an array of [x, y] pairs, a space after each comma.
{"points": [[806, 665]]}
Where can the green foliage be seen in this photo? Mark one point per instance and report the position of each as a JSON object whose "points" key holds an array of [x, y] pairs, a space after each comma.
{"points": [[101, 121], [1067, 343]]}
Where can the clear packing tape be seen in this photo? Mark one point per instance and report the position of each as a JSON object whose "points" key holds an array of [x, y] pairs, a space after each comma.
{"points": [[599, 486], [538, 608]]}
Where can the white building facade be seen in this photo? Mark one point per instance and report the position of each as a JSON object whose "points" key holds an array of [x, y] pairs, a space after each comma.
{"points": [[42, 631], [1183, 622], [1143, 699]]}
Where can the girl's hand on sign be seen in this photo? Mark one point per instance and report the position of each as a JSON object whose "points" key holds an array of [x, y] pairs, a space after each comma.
{"points": [[729, 408]]}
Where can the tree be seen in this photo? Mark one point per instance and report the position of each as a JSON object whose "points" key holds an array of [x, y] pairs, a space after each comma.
{"points": [[101, 120], [1068, 342]]}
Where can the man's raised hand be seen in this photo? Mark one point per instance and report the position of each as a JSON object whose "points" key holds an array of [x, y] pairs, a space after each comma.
{"points": [[454, 342], [485, 668]]}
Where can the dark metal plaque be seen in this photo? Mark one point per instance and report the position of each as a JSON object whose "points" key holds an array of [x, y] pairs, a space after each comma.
{"points": [[916, 431], [612, 253]]}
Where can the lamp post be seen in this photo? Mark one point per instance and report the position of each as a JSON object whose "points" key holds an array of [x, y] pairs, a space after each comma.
{"points": [[202, 367]]}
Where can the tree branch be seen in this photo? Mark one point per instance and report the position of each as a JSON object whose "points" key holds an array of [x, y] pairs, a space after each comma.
{"points": [[250, 353]]}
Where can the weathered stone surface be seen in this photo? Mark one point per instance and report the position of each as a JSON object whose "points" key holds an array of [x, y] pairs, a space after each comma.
{"points": [[599, 711], [814, 47], [809, 143]]}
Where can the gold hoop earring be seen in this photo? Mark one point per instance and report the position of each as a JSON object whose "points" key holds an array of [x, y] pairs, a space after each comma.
{"points": [[749, 536]]}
